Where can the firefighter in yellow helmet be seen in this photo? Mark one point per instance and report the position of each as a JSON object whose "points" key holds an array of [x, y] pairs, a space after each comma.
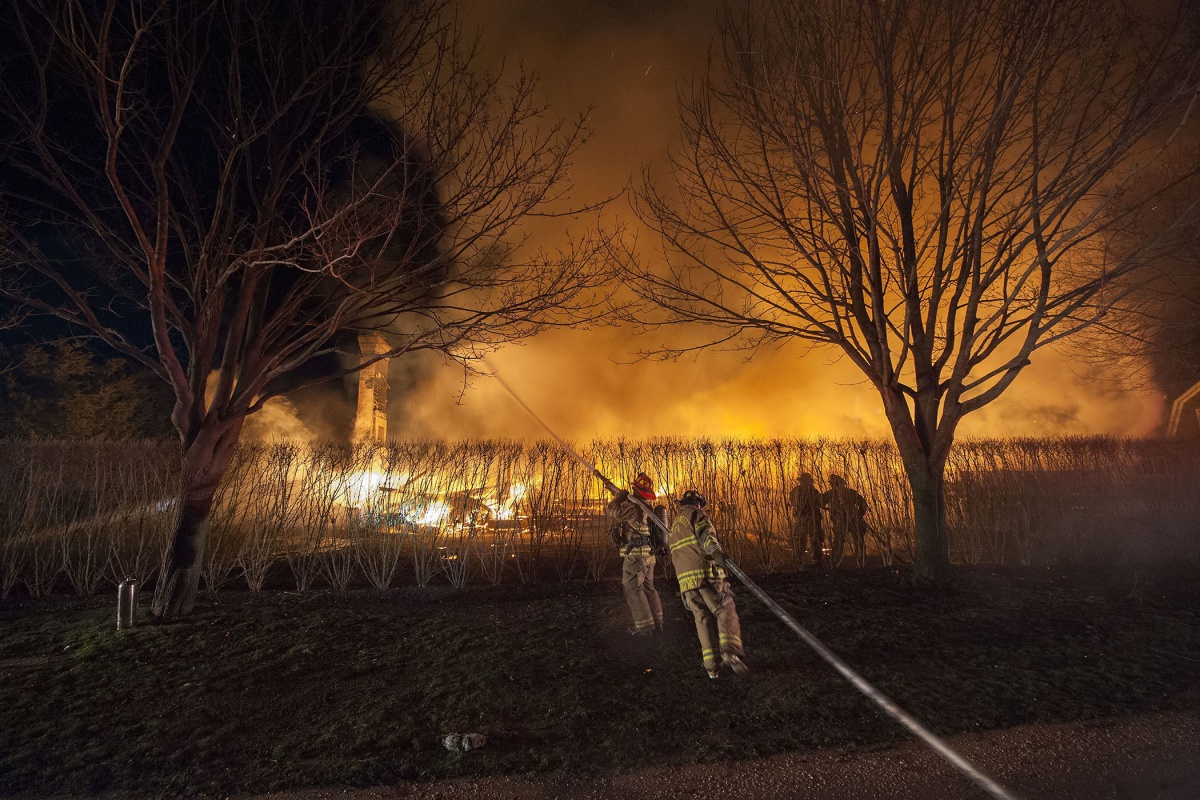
{"points": [[631, 533], [700, 565]]}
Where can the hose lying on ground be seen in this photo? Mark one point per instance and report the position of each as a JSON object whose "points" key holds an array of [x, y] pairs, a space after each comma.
{"points": [[858, 681]]}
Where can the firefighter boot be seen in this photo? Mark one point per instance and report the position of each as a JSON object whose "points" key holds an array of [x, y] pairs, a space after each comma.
{"points": [[735, 663]]}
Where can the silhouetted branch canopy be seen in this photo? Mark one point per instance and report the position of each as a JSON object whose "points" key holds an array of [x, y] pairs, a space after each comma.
{"points": [[229, 188], [925, 185]]}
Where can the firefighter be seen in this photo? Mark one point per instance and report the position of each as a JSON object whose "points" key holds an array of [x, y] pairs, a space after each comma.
{"points": [[700, 565], [632, 535], [807, 534], [847, 516]]}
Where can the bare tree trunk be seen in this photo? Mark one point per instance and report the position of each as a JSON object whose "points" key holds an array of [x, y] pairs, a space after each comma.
{"points": [[932, 561], [924, 443], [205, 461]]}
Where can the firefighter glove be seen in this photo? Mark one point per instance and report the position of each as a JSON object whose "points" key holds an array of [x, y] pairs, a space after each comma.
{"points": [[719, 559]]}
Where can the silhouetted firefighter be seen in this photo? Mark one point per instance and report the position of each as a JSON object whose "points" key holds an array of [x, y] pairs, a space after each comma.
{"points": [[807, 534], [847, 512]]}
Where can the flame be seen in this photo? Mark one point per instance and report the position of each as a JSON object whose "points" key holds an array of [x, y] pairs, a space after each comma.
{"points": [[372, 491], [507, 508], [433, 514], [362, 487], [367, 488]]}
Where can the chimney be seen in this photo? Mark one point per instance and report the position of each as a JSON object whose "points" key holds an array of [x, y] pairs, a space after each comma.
{"points": [[370, 423]]}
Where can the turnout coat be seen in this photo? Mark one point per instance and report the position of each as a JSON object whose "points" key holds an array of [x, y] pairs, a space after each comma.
{"points": [[693, 540]]}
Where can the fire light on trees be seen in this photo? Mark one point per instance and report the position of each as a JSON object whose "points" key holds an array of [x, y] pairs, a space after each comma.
{"points": [[507, 508], [922, 186], [425, 498], [236, 189]]}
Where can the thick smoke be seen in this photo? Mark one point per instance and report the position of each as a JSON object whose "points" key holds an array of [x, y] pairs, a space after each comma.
{"points": [[628, 60], [572, 381]]}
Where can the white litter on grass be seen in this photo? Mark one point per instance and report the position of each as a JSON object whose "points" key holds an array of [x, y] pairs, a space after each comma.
{"points": [[464, 741]]}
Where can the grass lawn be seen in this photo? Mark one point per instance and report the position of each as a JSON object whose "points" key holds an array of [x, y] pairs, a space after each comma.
{"points": [[257, 692]]}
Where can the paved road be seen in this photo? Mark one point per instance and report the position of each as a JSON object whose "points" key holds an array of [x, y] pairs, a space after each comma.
{"points": [[1152, 757]]}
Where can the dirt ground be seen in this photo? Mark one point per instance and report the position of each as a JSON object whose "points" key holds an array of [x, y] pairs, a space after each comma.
{"points": [[1146, 757], [319, 692]]}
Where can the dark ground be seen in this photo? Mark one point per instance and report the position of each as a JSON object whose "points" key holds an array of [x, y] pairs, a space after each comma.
{"points": [[1143, 757], [276, 691]]}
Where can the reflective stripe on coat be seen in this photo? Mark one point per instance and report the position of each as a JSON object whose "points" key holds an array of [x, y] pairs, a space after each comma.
{"points": [[693, 539], [633, 524]]}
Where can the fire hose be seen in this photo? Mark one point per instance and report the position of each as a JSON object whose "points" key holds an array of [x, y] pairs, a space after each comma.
{"points": [[936, 743]]}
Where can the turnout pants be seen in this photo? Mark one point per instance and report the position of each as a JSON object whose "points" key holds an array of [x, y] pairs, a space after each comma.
{"points": [[854, 531], [637, 576], [807, 535], [716, 621]]}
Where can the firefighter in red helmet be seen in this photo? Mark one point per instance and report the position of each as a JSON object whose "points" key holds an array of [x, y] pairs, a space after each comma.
{"points": [[631, 533]]}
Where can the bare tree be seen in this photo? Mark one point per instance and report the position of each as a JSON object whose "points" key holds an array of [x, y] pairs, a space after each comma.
{"points": [[224, 190], [923, 185]]}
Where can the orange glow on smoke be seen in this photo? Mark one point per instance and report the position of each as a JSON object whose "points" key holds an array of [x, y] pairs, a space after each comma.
{"points": [[625, 65], [577, 382]]}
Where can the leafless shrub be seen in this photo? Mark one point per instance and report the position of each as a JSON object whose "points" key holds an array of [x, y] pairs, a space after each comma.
{"points": [[60, 500], [598, 552], [574, 520], [422, 468], [315, 509], [137, 535], [467, 515], [84, 510], [80, 542], [456, 557], [42, 567], [16, 486], [539, 507], [270, 510], [88, 513], [337, 562], [378, 528], [491, 556], [231, 516], [351, 481], [425, 554], [495, 547]]}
